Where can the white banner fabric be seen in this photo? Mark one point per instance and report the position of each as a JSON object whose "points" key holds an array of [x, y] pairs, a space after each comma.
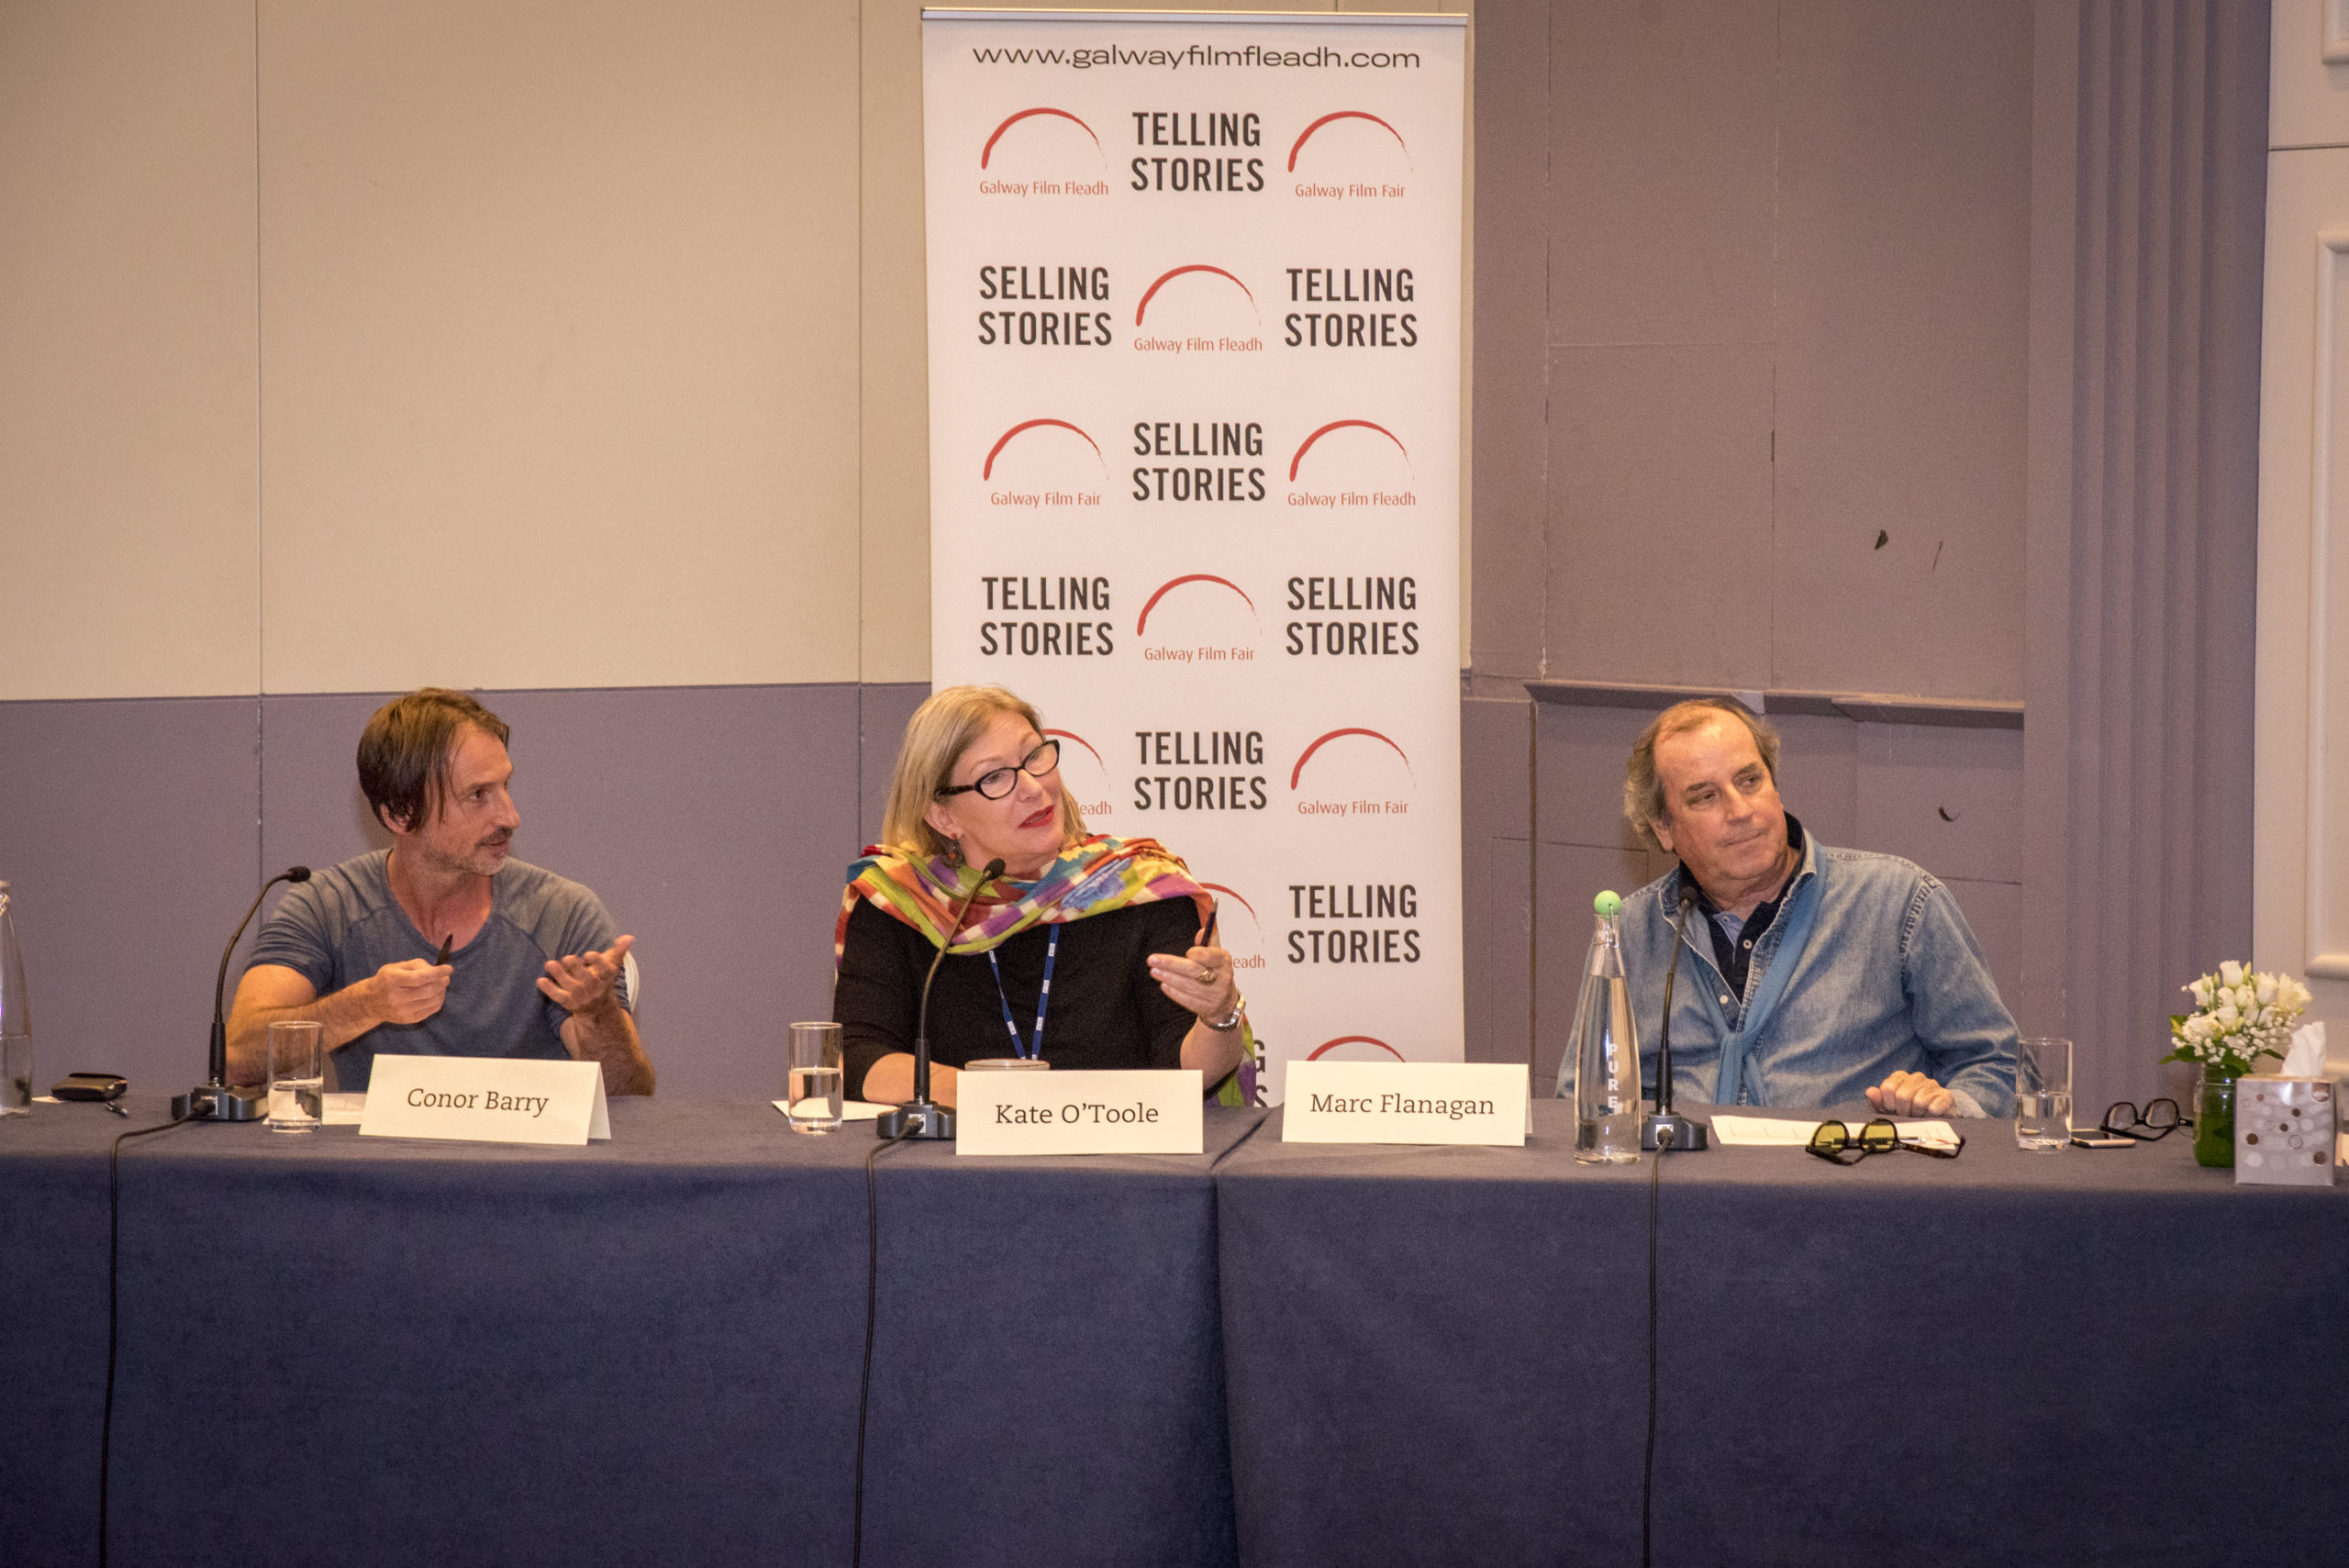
{"points": [[1195, 347]]}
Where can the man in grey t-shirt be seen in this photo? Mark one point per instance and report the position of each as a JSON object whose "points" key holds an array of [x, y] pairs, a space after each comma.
{"points": [[533, 963]]}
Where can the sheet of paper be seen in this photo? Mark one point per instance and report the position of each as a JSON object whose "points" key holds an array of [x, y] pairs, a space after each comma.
{"points": [[850, 1110], [343, 1110], [1774, 1132]]}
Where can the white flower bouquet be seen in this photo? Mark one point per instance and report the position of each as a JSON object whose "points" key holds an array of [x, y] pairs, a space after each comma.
{"points": [[2238, 1018]]}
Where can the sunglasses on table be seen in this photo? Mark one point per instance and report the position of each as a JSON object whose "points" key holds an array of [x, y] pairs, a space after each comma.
{"points": [[1832, 1140]]}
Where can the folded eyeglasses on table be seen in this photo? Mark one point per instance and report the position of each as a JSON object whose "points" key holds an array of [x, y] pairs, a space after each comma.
{"points": [[1833, 1140]]}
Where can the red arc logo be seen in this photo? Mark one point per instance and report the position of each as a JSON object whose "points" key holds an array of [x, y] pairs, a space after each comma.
{"points": [[1228, 893], [1168, 277], [1325, 119], [987, 471], [1334, 734], [1342, 425], [1330, 1045], [1072, 734], [989, 151], [1194, 577]]}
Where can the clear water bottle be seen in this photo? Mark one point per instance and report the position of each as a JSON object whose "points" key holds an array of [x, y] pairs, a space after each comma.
{"points": [[1606, 1051], [15, 1020]]}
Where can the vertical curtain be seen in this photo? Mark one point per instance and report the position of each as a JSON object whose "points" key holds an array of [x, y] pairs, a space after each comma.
{"points": [[2144, 528]]}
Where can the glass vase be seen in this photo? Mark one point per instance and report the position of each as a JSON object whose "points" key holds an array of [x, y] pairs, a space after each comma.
{"points": [[2214, 1118]]}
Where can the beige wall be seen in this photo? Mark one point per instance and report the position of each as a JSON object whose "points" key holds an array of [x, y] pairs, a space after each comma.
{"points": [[126, 365], [511, 344]]}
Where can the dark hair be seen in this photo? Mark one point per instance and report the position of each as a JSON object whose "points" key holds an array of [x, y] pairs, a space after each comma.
{"points": [[404, 752]]}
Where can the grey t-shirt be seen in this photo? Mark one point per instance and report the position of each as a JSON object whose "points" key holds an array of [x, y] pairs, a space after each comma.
{"points": [[343, 925]]}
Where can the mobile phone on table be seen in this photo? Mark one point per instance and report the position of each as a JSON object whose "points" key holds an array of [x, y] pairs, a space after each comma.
{"points": [[2097, 1138]]}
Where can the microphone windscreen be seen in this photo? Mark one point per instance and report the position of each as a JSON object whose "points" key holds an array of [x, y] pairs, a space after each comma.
{"points": [[994, 869], [298, 873]]}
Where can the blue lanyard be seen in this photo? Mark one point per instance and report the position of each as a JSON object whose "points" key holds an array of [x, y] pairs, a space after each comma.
{"points": [[1028, 1049]]}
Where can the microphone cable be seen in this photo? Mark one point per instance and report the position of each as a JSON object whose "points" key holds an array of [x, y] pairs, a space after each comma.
{"points": [[872, 1299], [1647, 1473], [114, 1314]]}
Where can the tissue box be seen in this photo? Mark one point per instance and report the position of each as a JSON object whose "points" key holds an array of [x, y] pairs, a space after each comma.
{"points": [[2283, 1131]]}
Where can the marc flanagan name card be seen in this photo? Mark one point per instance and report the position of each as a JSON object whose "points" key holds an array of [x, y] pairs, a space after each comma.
{"points": [[486, 1099], [1404, 1102], [1150, 1112]]}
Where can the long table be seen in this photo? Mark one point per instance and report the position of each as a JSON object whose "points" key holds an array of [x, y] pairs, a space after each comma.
{"points": [[1437, 1355], [647, 1350]]}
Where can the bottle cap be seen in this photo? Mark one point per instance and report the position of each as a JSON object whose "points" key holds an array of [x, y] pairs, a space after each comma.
{"points": [[1607, 903]]}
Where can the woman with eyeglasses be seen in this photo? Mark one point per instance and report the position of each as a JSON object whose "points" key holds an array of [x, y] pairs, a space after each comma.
{"points": [[1088, 952]]}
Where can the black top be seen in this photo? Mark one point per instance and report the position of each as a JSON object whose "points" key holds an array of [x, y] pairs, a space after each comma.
{"points": [[1106, 1011], [1733, 956]]}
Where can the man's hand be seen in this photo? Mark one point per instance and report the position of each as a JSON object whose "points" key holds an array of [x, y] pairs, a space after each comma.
{"points": [[583, 982], [1911, 1094], [410, 991]]}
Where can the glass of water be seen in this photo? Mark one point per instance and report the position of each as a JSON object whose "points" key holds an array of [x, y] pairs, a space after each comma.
{"points": [[812, 1095], [2043, 1092], [297, 1077]]}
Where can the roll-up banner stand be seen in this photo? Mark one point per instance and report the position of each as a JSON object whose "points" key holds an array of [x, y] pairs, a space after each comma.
{"points": [[1195, 350]]}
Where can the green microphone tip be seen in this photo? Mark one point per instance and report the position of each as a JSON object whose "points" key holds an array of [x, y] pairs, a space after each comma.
{"points": [[1607, 903]]}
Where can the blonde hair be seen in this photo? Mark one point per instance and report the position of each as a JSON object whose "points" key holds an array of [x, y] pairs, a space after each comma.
{"points": [[940, 731], [1643, 790]]}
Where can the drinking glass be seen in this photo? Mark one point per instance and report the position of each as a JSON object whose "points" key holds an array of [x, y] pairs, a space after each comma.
{"points": [[2043, 1092], [297, 1077], [812, 1095]]}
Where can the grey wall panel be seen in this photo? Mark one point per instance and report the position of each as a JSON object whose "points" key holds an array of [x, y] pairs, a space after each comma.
{"points": [[1512, 65], [881, 713], [715, 823], [1902, 272], [1496, 875], [1660, 529], [1580, 753], [1819, 774], [1995, 911], [127, 831], [1662, 142], [1948, 799], [312, 812]]}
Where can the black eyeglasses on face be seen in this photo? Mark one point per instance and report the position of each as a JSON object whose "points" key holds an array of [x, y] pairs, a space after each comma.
{"points": [[1830, 1139], [2161, 1119], [997, 785]]}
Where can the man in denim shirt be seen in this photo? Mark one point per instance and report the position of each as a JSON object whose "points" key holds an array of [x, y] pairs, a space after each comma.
{"points": [[1810, 975]]}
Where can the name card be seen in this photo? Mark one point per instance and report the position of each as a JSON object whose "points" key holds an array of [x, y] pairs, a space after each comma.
{"points": [[1079, 1113], [486, 1099], [1405, 1102]]}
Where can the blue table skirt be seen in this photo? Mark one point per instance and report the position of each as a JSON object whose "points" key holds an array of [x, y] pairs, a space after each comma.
{"points": [[338, 1350], [647, 1351], [1440, 1355]]}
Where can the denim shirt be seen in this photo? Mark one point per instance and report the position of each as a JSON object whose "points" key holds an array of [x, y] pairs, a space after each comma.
{"points": [[1888, 979]]}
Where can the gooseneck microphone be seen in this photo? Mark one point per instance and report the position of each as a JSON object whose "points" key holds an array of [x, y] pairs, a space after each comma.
{"points": [[214, 1099], [918, 1117], [1665, 1131]]}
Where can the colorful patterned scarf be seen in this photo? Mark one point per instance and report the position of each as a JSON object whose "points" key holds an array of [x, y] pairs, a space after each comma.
{"points": [[1091, 877]]}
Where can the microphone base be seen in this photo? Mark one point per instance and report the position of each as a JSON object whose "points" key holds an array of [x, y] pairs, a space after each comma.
{"points": [[921, 1118], [216, 1102], [1688, 1137]]}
